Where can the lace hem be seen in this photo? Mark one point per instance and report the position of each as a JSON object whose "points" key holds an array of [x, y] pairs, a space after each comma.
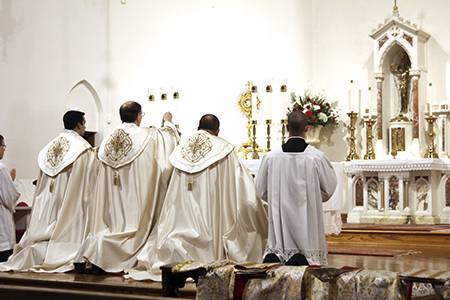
{"points": [[314, 257]]}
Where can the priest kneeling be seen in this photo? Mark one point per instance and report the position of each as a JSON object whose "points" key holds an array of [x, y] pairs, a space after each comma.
{"points": [[211, 211], [61, 203], [295, 180], [132, 183]]}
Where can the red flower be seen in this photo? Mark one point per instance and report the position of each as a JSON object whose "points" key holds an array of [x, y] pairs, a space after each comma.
{"points": [[308, 113]]}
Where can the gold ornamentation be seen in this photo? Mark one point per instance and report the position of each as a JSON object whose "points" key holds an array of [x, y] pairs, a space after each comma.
{"points": [[245, 106], [116, 179], [196, 148], [168, 130], [57, 151], [431, 147], [352, 153], [51, 187], [398, 138], [245, 101], [118, 145], [255, 147], [369, 122]]}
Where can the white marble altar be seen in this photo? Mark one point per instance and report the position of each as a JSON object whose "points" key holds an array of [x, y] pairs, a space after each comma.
{"points": [[398, 191]]}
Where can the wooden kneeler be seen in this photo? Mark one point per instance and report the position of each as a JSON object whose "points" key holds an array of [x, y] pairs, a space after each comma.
{"points": [[173, 281]]}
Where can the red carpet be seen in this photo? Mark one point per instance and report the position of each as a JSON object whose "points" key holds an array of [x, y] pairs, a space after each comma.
{"points": [[403, 227], [371, 252]]}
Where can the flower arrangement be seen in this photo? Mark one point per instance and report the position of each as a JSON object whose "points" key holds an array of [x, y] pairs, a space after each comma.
{"points": [[315, 107]]}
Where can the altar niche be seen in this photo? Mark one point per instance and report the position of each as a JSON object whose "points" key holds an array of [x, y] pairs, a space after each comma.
{"points": [[399, 61]]}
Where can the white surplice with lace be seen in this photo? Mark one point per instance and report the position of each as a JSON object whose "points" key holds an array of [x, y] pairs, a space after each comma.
{"points": [[295, 185]]}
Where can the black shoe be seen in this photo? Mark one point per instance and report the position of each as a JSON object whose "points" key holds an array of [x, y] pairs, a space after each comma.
{"points": [[96, 270], [297, 260], [271, 258], [80, 268]]}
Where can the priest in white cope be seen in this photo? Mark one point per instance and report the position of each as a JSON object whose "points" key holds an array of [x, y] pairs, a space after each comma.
{"points": [[8, 198], [61, 204], [295, 179], [211, 211], [132, 183]]}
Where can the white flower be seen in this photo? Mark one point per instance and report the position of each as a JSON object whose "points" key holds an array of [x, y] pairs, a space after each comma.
{"points": [[323, 117], [316, 107], [305, 110]]}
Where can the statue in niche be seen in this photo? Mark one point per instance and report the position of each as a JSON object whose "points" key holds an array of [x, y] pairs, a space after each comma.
{"points": [[400, 70]]}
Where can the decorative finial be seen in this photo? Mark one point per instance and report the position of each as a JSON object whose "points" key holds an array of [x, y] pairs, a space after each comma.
{"points": [[395, 11]]}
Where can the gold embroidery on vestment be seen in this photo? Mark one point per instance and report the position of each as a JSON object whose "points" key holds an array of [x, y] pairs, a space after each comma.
{"points": [[57, 151], [196, 147], [118, 145]]}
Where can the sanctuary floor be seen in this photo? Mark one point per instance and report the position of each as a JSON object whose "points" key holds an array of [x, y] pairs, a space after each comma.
{"points": [[429, 248]]}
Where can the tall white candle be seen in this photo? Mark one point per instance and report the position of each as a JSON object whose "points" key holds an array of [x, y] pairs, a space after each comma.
{"points": [[254, 106], [350, 96], [267, 104], [359, 110]]}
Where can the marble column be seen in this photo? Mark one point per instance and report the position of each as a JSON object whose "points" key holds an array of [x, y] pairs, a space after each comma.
{"points": [[415, 75], [442, 143], [379, 78]]}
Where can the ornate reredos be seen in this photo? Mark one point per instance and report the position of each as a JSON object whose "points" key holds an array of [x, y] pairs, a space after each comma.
{"points": [[196, 147], [398, 31], [57, 151], [118, 145]]}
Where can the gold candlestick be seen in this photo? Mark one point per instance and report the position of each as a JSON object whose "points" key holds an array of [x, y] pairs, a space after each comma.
{"points": [[255, 149], [370, 152], [268, 123], [431, 147], [352, 154], [283, 130]]}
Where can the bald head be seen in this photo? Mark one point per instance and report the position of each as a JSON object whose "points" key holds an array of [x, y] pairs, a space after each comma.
{"points": [[297, 123], [210, 123], [130, 111]]}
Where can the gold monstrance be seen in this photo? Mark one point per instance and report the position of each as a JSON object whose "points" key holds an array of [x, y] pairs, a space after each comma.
{"points": [[245, 106]]}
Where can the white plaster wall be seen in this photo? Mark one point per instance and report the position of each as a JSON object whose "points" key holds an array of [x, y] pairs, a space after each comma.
{"points": [[46, 47], [207, 50], [342, 50]]}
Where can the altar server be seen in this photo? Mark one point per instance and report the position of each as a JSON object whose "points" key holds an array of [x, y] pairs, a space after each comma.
{"points": [[8, 198], [295, 179]]}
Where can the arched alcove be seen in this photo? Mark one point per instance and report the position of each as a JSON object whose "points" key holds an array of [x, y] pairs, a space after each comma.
{"points": [[83, 96]]}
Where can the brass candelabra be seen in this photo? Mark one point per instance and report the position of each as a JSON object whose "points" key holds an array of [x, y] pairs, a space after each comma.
{"points": [[255, 148], [352, 153], [268, 123], [370, 151], [431, 147]]}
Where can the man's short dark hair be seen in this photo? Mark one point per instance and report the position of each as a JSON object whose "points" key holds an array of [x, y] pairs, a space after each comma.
{"points": [[72, 118], [209, 122], [1, 139], [297, 122], [129, 111]]}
